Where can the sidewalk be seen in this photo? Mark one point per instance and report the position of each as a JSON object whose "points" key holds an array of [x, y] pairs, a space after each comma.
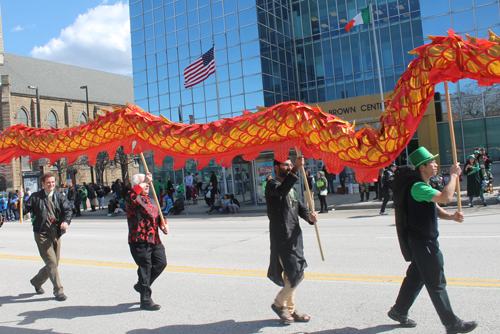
{"points": [[335, 201]]}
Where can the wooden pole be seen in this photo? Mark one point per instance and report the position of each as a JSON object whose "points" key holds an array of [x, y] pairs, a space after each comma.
{"points": [[453, 143], [20, 200], [311, 205], [154, 192]]}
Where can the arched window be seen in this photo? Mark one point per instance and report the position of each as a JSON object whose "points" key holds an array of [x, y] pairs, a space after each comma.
{"points": [[22, 117], [52, 118], [82, 118]]}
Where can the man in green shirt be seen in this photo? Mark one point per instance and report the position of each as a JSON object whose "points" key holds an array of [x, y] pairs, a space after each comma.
{"points": [[427, 265]]}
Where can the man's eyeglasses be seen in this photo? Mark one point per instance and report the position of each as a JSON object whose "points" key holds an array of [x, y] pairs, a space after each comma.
{"points": [[286, 165]]}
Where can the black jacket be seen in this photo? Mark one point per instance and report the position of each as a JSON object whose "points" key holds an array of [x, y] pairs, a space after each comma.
{"points": [[35, 204], [285, 232]]}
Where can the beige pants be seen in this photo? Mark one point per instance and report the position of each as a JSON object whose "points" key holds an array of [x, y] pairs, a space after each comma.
{"points": [[286, 296], [49, 247]]}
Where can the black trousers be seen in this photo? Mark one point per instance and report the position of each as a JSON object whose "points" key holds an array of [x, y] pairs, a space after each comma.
{"points": [[386, 198], [322, 202], [151, 260], [426, 268]]}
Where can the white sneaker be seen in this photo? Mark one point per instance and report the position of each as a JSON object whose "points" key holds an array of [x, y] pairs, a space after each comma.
{"points": [[384, 213]]}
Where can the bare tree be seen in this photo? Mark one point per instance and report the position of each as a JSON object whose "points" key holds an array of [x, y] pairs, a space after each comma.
{"points": [[124, 161], [102, 162], [61, 165], [471, 99]]}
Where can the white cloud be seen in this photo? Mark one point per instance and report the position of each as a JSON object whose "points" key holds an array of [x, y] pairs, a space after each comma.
{"points": [[98, 39], [18, 28]]}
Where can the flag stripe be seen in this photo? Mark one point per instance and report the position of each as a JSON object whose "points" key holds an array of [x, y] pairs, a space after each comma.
{"points": [[360, 18], [200, 76], [200, 69]]}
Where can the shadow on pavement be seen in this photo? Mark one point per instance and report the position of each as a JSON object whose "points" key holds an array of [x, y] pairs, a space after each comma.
{"points": [[226, 326], [22, 298], [352, 330], [13, 330], [72, 312]]}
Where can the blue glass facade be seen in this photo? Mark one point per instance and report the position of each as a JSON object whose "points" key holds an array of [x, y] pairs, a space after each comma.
{"points": [[266, 52], [475, 109], [273, 51], [334, 64], [169, 35]]}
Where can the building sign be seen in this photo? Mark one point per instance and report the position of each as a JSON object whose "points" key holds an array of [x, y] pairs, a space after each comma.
{"points": [[353, 109], [32, 173], [363, 108]]}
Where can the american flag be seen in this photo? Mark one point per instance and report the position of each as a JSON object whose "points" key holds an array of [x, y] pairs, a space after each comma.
{"points": [[201, 69]]}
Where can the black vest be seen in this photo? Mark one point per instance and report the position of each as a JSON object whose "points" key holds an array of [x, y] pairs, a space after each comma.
{"points": [[422, 218]]}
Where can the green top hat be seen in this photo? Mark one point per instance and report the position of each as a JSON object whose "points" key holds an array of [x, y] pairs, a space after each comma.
{"points": [[421, 156]]}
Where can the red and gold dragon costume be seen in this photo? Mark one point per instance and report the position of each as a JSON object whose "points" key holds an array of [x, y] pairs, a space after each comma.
{"points": [[278, 128]]}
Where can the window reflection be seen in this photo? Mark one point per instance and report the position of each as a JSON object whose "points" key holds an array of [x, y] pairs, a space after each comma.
{"points": [[237, 104], [187, 98], [140, 78], [174, 84], [229, 6], [487, 15], [218, 25], [136, 23], [211, 108], [224, 89], [235, 70], [233, 54], [221, 57], [204, 13], [236, 86], [233, 37], [199, 111], [163, 87], [216, 9], [206, 29], [198, 94], [182, 36], [248, 16], [138, 64], [434, 26], [222, 73], [173, 70], [253, 83], [164, 101]]}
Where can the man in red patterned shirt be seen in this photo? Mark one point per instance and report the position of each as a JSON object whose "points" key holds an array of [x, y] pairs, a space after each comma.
{"points": [[143, 238]]}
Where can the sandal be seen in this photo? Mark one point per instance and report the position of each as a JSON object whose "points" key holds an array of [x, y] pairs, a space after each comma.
{"points": [[283, 313], [300, 317]]}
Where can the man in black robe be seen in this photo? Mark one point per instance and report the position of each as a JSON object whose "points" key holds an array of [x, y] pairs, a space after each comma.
{"points": [[287, 263]]}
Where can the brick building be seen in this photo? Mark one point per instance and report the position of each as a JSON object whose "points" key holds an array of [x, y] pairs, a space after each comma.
{"points": [[60, 91]]}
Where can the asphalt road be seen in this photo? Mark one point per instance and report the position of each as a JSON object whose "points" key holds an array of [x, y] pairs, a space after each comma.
{"points": [[216, 281]]}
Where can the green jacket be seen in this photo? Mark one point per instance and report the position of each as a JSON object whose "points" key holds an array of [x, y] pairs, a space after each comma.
{"points": [[475, 179]]}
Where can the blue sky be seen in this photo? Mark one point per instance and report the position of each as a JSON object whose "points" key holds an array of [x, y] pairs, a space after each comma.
{"points": [[87, 33]]}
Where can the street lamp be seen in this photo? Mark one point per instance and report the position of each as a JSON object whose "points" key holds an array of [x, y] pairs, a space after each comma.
{"points": [[38, 117], [88, 117]]}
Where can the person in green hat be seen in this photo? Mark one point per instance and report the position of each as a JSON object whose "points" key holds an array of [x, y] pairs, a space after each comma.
{"points": [[475, 178], [485, 162], [416, 222]]}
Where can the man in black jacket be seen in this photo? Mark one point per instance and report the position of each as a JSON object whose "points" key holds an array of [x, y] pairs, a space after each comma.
{"points": [[287, 261], [51, 216], [418, 233]]}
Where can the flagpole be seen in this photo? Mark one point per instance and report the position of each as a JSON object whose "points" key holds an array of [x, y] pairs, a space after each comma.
{"points": [[218, 110], [376, 55]]}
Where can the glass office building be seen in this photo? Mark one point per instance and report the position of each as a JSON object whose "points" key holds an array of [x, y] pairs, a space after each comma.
{"points": [[475, 109], [272, 51]]}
